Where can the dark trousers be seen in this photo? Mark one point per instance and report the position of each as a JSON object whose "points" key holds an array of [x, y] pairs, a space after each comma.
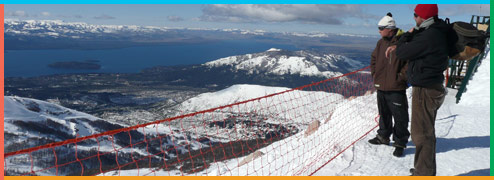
{"points": [[425, 103], [393, 104]]}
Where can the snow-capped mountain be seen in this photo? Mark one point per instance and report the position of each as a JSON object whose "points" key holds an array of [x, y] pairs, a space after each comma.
{"points": [[274, 67], [283, 62], [56, 28], [78, 30]]}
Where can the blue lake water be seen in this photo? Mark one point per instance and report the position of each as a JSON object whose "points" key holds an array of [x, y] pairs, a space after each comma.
{"points": [[29, 63]]}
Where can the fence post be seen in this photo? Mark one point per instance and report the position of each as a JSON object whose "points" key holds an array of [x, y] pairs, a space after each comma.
{"points": [[471, 66]]}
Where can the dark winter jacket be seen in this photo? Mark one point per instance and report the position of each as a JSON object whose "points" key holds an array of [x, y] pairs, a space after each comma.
{"points": [[389, 73], [426, 51]]}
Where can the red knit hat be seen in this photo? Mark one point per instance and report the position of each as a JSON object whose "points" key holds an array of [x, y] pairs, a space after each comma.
{"points": [[426, 10]]}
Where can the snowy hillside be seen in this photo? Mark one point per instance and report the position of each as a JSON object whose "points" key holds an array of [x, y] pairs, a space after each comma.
{"points": [[268, 116], [21, 113], [233, 94], [282, 62], [31, 123]]}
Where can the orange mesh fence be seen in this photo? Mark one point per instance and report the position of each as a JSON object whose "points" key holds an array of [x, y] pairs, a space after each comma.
{"points": [[294, 132]]}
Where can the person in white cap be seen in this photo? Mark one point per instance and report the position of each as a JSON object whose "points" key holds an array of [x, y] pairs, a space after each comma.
{"points": [[390, 80]]}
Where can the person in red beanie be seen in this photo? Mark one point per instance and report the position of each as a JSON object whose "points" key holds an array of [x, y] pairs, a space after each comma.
{"points": [[427, 48], [426, 11]]}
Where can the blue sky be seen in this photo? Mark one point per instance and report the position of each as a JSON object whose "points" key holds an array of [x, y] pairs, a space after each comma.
{"points": [[328, 18]]}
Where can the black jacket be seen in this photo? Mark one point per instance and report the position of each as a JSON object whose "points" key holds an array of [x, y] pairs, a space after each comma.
{"points": [[426, 51]]}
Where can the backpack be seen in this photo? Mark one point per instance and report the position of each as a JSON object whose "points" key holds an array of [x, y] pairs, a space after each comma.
{"points": [[471, 41]]}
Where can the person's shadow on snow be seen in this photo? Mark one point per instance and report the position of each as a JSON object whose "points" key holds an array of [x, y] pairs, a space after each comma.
{"points": [[480, 172], [448, 144]]}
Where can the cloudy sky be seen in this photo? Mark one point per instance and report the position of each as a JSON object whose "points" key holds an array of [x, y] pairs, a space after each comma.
{"points": [[332, 18]]}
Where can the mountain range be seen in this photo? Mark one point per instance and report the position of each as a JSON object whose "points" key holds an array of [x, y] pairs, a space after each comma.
{"points": [[57, 34], [81, 30]]}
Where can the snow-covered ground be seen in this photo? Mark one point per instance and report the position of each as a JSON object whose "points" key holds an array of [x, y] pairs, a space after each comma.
{"points": [[462, 131]]}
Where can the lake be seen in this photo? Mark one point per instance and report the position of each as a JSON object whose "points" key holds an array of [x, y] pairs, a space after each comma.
{"points": [[29, 63]]}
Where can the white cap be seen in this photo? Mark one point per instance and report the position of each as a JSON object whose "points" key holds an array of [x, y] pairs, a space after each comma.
{"points": [[387, 21]]}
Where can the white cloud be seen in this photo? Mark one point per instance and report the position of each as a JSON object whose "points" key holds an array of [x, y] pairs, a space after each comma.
{"points": [[70, 16], [306, 13], [17, 14], [104, 17], [46, 14], [175, 18]]}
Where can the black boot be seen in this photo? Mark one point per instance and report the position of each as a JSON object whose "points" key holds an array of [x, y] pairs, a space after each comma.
{"points": [[379, 140], [398, 152]]}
